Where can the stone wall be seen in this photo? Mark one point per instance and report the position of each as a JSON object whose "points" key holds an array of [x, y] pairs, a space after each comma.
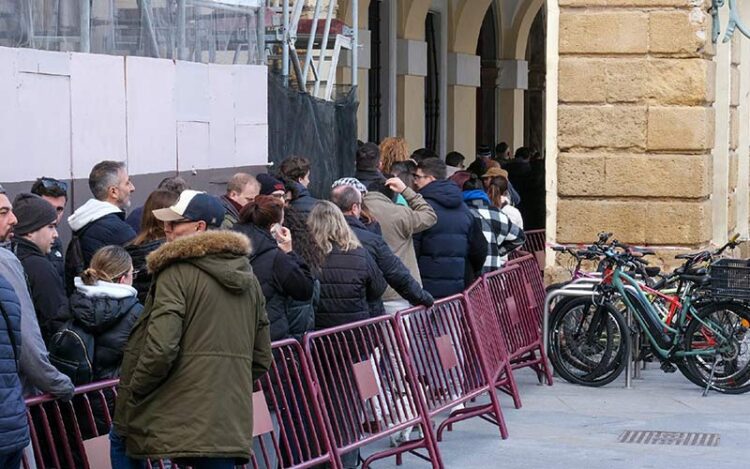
{"points": [[636, 122]]}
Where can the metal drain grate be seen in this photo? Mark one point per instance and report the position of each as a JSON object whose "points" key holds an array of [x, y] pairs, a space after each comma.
{"points": [[669, 438]]}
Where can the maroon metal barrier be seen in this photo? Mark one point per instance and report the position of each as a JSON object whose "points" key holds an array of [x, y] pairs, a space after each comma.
{"points": [[59, 429], [288, 426], [491, 340], [536, 242], [517, 309], [533, 283], [367, 389], [451, 366]]}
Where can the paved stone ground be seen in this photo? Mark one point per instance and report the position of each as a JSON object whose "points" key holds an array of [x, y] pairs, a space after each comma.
{"points": [[569, 426]]}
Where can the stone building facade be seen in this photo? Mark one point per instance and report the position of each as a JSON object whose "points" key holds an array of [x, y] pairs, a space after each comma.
{"points": [[647, 129]]}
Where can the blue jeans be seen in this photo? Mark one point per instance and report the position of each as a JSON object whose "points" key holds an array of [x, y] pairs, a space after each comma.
{"points": [[120, 459], [11, 460]]}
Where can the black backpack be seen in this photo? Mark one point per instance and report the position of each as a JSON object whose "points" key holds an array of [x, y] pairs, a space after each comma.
{"points": [[71, 350], [74, 262]]}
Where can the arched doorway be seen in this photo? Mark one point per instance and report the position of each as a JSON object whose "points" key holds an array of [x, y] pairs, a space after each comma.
{"points": [[486, 96]]}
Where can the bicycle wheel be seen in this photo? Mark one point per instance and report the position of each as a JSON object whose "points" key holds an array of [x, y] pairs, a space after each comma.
{"points": [[724, 328], [588, 343]]}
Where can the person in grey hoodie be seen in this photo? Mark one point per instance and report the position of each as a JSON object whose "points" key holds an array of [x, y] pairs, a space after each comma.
{"points": [[37, 373]]}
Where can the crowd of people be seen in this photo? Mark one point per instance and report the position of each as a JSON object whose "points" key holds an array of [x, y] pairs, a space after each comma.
{"points": [[182, 297]]}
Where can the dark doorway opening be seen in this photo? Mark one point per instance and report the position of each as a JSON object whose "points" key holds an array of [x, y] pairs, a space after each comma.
{"points": [[486, 98], [375, 95]]}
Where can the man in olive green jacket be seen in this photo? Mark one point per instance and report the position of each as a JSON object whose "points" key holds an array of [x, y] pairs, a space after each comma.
{"points": [[187, 375]]}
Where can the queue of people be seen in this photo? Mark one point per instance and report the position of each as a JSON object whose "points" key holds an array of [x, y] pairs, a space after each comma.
{"points": [[182, 299]]}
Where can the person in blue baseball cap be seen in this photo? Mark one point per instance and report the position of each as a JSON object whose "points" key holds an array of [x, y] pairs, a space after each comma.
{"points": [[194, 212]]}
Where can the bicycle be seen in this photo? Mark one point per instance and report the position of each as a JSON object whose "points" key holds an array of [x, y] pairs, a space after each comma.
{"points": [[706, 340]]}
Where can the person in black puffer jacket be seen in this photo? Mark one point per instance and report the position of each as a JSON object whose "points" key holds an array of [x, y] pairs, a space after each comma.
{"points": [[451, 253], [149, 239], [349, 278], [14, 429], [106, 306], [349, 200], [283, 275]]}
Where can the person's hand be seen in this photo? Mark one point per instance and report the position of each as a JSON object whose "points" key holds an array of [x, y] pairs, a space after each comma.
{"points": [[396, 185], [283, 238]]}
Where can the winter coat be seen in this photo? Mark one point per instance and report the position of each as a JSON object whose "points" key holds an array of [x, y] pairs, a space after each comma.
{"points": [[399, 224], [231, 213], [142, 277], [394, 271], [134, 218], [186, 382], [501, 234], [57, 257], [47, 291], [107, 311], [14, 429], [451, 252], [368, 176], [304, 202], [282, 277], [104, 225], [38, 375], [348, 282]]}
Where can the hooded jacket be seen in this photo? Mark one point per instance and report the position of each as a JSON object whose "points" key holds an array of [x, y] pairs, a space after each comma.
{"points": [[349, 281], [105, 225], [452, 251], [283, 277], [107, 311], [186, 383], [394, 271], [399, 224], [46, 288], [14, 429], [38, 375]]}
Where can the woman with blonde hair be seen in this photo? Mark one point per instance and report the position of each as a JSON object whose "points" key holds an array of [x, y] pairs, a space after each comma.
{"points": [[392, 150], [349, 277]]}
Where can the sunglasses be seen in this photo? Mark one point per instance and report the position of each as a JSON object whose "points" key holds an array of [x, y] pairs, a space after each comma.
{"points": [[50, 184]]}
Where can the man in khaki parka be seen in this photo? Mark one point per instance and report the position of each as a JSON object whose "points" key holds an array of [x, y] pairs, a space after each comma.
{"points": [[203, 338]]}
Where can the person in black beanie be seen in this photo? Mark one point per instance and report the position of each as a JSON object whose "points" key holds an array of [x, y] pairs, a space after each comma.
{"points": [[34, 235], [269, 185]]}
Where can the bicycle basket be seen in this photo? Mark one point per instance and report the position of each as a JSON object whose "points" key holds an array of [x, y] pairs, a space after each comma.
{"points": [[731, 278]]}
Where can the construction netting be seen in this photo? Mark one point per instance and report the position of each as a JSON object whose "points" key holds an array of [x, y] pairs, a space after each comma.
{"points": [[207, 31], [323, 131]]}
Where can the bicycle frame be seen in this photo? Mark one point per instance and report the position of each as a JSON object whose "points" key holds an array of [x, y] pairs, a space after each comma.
{"points": [[668, 343]]}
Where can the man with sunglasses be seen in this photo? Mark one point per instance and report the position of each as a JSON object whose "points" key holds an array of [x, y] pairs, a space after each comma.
{"points": [[56, 193]]}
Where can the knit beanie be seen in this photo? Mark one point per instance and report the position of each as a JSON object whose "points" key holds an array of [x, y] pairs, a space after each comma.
{"points": [[33, 213], [269, 184]]}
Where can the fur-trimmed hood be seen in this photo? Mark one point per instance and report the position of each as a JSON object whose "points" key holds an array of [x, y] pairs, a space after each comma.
{"points": [[221, 254]]}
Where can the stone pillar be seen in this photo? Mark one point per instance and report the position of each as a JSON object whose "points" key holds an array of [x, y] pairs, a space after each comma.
{"points": [[464, 72], [635, 122], [512, 81], [411, 71]]}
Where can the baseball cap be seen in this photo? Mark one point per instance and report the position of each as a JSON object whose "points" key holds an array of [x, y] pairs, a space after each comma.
{"points": [[193, 206]]}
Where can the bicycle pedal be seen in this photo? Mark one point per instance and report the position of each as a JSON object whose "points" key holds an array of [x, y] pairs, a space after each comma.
{"points": [[667, 367]]}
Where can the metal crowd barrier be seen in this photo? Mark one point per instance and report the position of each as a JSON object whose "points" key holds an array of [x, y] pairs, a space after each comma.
{"points": [[491, 339], [349, 386], [519, 316], [535, 244], [450, 365], [368, 390]]}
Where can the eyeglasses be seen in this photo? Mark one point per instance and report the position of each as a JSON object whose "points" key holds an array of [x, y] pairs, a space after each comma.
{"points": [[53, 184]]}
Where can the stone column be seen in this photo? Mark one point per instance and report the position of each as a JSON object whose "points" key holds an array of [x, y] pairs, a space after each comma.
{"points": [[411, 70], [512, 82], [463, 80], [635, 122]]}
